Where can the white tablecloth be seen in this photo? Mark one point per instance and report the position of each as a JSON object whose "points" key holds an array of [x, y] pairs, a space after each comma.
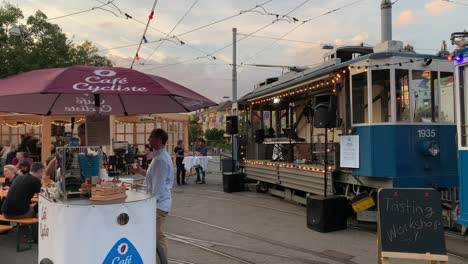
{"points": [[191, 161]]}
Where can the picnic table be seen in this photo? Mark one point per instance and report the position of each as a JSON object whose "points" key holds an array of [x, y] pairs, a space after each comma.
{"points": [[192, 161], [34, 199]]}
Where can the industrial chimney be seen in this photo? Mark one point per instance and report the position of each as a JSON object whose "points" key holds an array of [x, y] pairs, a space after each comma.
{"points": [[387, 44]]}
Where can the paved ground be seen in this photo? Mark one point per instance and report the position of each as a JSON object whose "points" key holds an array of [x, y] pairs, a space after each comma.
{"points": [[208, 226]]}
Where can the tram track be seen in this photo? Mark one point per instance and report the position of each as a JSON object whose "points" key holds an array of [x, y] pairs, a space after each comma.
{"points": [[245, 203], [261, 252], [270, 241]]}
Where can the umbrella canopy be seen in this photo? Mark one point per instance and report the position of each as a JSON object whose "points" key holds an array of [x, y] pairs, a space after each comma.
{"points": [[80, 90]]}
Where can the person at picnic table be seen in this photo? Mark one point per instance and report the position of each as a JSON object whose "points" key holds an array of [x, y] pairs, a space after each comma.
{"points": [[180, 154], [17, 204], [24, 168], [20, 157], [4, 153], [202, 150], [159, 181], [10, 173], [11, 154]]}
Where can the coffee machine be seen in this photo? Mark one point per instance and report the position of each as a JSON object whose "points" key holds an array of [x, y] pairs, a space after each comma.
{"points": [[124, 156]]}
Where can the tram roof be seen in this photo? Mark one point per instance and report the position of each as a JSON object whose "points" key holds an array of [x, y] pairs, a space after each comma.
{"points": [[303, 77]]}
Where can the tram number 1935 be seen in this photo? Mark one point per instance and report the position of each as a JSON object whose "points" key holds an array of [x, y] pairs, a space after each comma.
{"points": [[426, 133]]}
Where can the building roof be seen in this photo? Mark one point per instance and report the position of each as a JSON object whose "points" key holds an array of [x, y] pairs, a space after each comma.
{"points": [[221, 107], [303, 76]]}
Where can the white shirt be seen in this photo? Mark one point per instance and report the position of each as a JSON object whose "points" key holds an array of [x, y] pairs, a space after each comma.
{"points": [[160, 178]]}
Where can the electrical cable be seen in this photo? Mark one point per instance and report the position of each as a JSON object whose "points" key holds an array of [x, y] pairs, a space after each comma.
{"points": [[83, 11], [172, 30], [296, 27], [150, 17], [230, 44]]}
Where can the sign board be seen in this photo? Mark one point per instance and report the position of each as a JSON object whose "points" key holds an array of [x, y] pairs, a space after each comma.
{"points": [[98, 130], [410, 224], [349, 151]]}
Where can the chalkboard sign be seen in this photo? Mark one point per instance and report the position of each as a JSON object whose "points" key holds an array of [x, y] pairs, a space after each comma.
{"points": [[410, 221]]}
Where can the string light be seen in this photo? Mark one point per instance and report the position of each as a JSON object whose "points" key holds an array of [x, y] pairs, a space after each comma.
{"points": [[336, 78], [285, 165]]}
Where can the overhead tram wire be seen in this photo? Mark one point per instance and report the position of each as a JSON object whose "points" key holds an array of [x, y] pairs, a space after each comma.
{"points": [[144, 32], [195, 29], [296, 27], [172, 30], [456, 2], [83, 11], [230, 44]]}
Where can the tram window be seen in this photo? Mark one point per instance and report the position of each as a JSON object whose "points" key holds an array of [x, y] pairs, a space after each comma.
{"points": [[462, 82], [402, 95], [422, 94], [359, 98], [445, 104], [381, 111]]}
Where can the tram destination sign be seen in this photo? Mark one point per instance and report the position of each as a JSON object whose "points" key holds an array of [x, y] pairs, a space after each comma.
{"points": [[410, 221]]}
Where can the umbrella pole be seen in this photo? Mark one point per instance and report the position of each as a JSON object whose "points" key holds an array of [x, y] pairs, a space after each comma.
{"points": [[72, 126]]}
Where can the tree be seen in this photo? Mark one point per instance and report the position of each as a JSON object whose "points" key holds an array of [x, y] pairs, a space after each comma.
{"points": [[214, 134], [196, 132], [39, 44]]}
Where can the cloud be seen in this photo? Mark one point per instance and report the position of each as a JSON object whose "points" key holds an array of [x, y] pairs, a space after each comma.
{"points": [[359, 38], [437, 7], [339, 42], [406, 17]]}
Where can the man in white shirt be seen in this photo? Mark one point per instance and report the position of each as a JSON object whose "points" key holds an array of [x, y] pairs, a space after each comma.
{"points": [[159, 180]]}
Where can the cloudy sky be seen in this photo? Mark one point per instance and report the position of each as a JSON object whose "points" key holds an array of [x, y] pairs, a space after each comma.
{"points": [[421, 23]]}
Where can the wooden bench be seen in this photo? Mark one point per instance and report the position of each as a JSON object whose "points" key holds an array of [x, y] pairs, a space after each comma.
{"points": [[26, 222], [4, 228]]}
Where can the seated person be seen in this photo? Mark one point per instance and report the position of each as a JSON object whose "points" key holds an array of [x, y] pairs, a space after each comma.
{"points": [[17, 204], [10, 175], [47, 182], [20, 157], [24, 168]]}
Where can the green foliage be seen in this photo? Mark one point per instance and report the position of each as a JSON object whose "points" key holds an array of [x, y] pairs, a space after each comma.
{"points": [[214, 134], [40, 45], [196, 132]]}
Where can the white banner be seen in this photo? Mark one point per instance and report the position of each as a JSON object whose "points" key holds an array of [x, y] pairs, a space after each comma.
{"points": [[349, 151]]}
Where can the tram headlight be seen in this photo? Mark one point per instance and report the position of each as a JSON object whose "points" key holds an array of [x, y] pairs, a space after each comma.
{"points": [[430, 148], [434, 149]]}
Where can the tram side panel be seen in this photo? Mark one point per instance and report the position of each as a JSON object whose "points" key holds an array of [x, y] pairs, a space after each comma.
{"points": [[417, 156]]}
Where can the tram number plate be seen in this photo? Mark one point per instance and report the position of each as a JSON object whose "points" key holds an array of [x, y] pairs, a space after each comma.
{"points": [[426, 133]]}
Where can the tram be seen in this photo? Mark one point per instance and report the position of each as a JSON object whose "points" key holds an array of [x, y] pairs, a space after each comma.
{"points": [[461, 84], [398, 105]]}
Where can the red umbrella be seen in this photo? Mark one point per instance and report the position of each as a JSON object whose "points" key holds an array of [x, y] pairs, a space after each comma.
{"points": [[79, 90]]}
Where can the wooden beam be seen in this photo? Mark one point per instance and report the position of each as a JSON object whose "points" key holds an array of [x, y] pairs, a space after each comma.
{"points": [[416, 256], [46, 138]]}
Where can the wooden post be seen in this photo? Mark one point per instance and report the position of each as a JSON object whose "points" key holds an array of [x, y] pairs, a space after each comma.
{"points": [[186, 134], [46, 138]]}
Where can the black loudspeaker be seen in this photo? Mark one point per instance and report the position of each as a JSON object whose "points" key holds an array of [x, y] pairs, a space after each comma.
{"points": [[259, 136], [232, 125], [233, 182], [326, 214], [325, 111]]}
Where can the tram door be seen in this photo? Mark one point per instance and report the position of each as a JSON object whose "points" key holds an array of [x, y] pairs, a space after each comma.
{"points": [[461, 91]]}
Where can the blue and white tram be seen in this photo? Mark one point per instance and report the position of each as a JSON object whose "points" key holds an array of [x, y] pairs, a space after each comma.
{"points": [[461, 91]]}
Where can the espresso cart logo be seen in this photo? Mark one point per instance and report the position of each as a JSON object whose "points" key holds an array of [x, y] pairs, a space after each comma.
{"points": [[123, 252]]}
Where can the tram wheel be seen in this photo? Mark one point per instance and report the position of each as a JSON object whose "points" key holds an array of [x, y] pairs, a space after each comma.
{"points": [[262, 187]]}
